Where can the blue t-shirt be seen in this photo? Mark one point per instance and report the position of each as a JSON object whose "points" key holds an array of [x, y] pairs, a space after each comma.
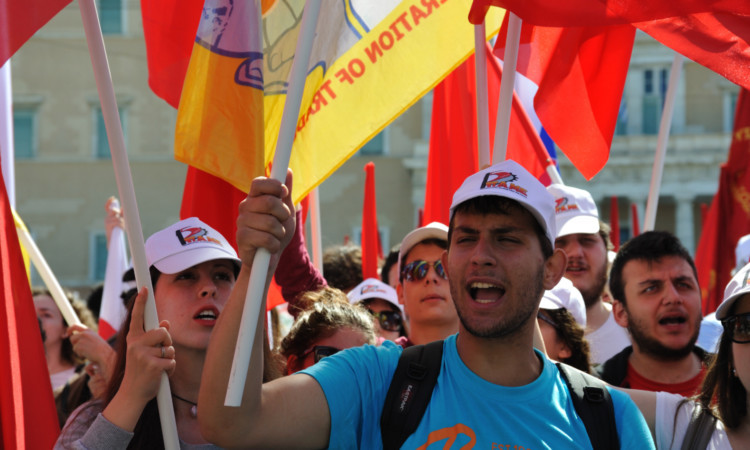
{"points": [[466, 411]]}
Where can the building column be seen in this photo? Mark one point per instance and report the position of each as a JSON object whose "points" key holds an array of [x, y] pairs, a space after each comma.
{"points": [[684, 222]]}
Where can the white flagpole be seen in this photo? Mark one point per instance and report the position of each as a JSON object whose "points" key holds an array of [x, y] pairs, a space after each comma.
{"points": [[504, 103], [661, 144], [6, 133], [317, 247], [483, 114], [126, 191], [254, 300], [63, 304]]}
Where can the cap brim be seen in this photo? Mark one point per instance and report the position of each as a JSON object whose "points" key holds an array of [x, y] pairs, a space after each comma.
{"points": [[189, 258], [577, 225]]}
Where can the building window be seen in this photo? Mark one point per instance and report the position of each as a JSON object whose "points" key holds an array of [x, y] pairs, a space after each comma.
{"points": [[730, 108], [24, 132], [98, 266], [654, 91], [110, 16], [621, 128], [375, 146], [101, 144]]}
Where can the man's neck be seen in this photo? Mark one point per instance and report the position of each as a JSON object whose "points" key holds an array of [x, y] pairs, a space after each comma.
{"points": [[491, 358], [597, 314], [420, 334], [665, 371]]}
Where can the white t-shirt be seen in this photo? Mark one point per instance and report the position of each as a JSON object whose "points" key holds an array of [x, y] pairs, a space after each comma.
{"points": [[60, 378], [607, 341], [670, 433]]}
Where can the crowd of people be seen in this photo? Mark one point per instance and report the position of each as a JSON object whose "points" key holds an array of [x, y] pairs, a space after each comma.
{"points": [[545, 337]]}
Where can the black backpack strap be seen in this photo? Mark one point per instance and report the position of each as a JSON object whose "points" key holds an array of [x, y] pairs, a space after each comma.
{"points": [[699, 431], [594, 406], [410, 392]]}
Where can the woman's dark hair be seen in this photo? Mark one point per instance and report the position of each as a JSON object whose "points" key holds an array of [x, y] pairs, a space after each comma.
{"points": [[84, 315], [147, 432], [572, 335], [721, 386]]}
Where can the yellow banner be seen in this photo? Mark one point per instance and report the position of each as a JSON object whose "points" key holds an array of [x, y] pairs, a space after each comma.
{"points": [[370, 62]]}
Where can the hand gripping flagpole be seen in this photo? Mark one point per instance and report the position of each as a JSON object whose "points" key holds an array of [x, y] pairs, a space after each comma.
{"points": [[254, 299], [126, 191], [504, 103], [661, 144]]}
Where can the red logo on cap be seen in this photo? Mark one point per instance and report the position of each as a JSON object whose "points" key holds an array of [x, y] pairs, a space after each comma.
{"points": [[191, 235], [502, 180], [372, 288], [561, 205]]}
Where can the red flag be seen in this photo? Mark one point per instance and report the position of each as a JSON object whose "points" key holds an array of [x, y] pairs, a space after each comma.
{"points": [[714, 33], [371, 250], [169, 28], [215, 202], [581, 74], [453, 136], [728, 219], [573, 13], [20, 19], [28, 418], [634, 219]]}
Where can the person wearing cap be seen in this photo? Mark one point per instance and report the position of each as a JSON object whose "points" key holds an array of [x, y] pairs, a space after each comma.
{"points": [[585, 240], [725, 389], [494, 390], [193, 270], [562, 319], [381, 301], [656, 296], [423, 285]]}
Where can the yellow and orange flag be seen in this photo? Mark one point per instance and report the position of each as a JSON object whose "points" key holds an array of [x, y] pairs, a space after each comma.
{"points": [[370, 62]]}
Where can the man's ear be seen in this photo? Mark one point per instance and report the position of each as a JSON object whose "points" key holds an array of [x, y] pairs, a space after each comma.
{"points": [[400, 292], [554, 268], [444, 262], [620, 313]]}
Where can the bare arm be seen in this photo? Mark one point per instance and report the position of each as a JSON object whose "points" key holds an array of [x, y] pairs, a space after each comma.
{"points": [[646, 402], [288, 412]]}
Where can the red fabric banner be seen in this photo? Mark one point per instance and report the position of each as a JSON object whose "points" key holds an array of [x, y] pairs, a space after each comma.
{"points": [[169, 28], [28, 418], [21, 19], [581, 74], [215, 202], [453, 136], [728, 218], [371, 249]]}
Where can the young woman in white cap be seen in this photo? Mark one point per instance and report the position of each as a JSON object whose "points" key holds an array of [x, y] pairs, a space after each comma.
{"points": [[724, 394], [193, 270]]}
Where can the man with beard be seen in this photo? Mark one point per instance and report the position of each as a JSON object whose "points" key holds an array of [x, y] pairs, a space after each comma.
{"points": [[493, 390], [654, 285], [585, 240]]}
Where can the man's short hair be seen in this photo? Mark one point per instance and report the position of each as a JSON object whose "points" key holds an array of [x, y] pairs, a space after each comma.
{"points": [[492, 204], [390, 261], [342, 266], [650, 246]]}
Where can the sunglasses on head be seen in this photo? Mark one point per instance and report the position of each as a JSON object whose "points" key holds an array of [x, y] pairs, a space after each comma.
{"points": [[320, 352], [544, 317], [388, 320], [417, 270], [738, 328]]}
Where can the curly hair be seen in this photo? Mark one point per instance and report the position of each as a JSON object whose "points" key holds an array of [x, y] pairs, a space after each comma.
{"points": [[328, 310], [572, 335], [342, 266], [84, 315]]}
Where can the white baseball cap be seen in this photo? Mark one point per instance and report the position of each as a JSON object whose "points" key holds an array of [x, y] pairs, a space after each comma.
{"points": [[575, 210], [742, 252], [565, 295], [434, 230], [185, 244], [373, 288], [510, 180], [738, 286]]}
